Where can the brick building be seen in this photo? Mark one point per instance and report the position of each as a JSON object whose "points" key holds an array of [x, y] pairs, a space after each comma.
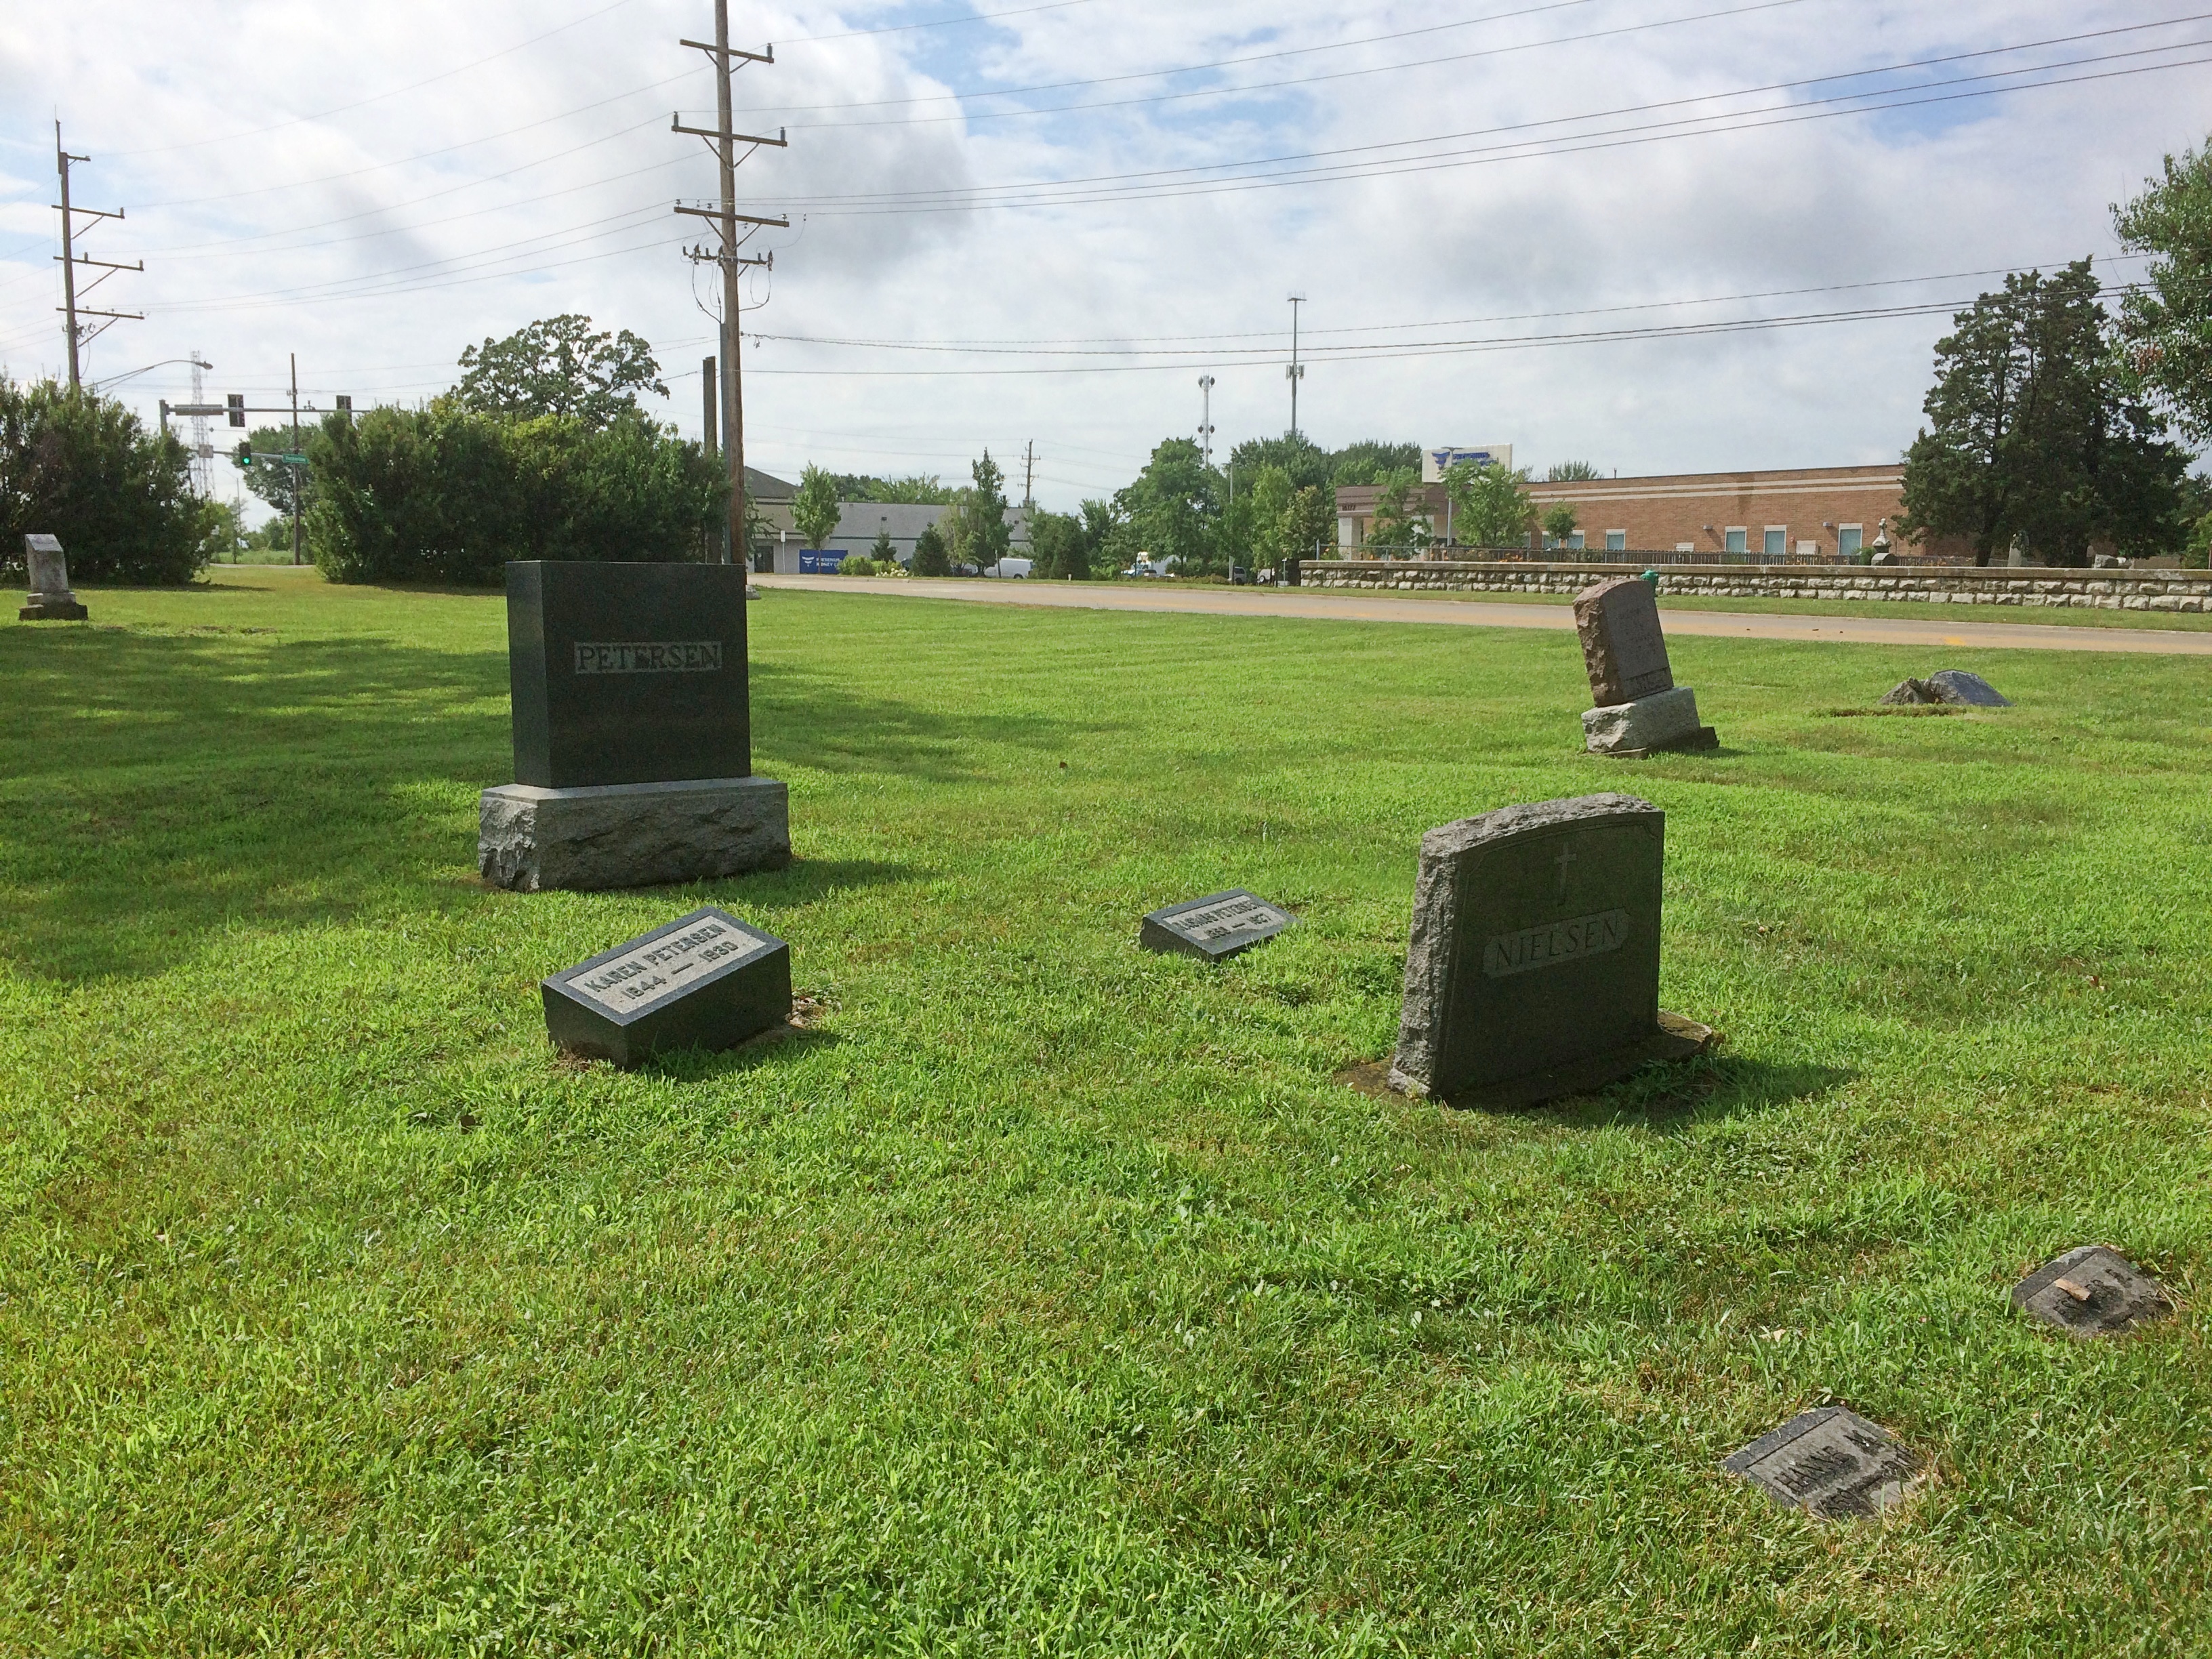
{"points": [[1804, 512]]}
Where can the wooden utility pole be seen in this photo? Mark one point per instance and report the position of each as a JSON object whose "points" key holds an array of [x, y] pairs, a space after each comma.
{"points": [[293, 467], [1028, 477], [71, 259], [726, 219]]}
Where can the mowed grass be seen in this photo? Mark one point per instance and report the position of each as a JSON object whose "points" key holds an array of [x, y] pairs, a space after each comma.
{"points": [[1047, 1297]]}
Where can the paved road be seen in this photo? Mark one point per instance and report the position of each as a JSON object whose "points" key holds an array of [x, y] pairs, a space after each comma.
{"points": [[1341, 606]]}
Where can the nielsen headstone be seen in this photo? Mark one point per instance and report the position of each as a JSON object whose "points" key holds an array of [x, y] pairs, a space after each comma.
{"points": [[705, 981], [1639, 708], [2094, 1291], [49, 599], [1830, 1463], [1215, 928], [1532, 967], [633, 740]]}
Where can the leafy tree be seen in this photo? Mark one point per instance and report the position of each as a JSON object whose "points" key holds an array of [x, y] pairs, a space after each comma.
{"points": [[1371, 460], [885, 551], [1310, 524], [1490, 507], [924, 490], [1057, 542], [557, 366], [1399, 524], [1105, 535], [931, 555], [1174, 506], [83, 468], [815, 509], [1571, 472], [2166, 323], [1270, 495], [271, 482], [2032, 438], [1301, 459], [988, 536], [1559, 521]]}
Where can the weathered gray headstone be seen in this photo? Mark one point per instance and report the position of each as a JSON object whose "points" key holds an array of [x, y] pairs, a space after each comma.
{"points": [[633, 749], [51, 599], [1956, 685], [2094, 1291], [1215, 928], [1639, 709], [1532, 967], [707, 981], [1829, 1462]]}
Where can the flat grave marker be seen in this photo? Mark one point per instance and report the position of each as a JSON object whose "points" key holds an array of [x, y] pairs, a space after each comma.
{"points": [[1830, 1462], [705, 981], [2094, 1291], [1215, 928], [1533, 967]]}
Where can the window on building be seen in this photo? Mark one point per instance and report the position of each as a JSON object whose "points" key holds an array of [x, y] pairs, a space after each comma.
{"points": [[1850, 538], [1576, 540], [1616, 541], [1777, 545], [1733, 540]]}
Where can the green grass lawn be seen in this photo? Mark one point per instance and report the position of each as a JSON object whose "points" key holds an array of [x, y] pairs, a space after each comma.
{"points": [[1050, 1297]]}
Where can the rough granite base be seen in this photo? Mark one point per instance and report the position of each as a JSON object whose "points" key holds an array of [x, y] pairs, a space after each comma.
{"points": [[41, 610], [631, 835], [1665, 720]]}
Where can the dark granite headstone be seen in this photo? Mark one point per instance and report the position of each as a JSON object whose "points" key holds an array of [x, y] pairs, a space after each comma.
{"points": [[627, 673], [1829, 1462], [1624, 647], [1215, 928], [1532, 969], [2094, 1291], [1956, 685], [706, 981]]}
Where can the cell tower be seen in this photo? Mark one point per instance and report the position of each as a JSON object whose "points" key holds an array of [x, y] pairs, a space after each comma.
{"points": [[202, 451]]}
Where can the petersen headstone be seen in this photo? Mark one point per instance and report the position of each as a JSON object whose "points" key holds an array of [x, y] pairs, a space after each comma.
{"points": [[707, 981], [633, 741], [1215, 928], [1639, 708], [1830, 1463], [51, 599], [1533, 968]]}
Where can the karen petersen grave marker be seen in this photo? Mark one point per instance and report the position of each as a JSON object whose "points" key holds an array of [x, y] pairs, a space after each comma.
{"points": [[632, 734], [706, 980], [1532, 969]]}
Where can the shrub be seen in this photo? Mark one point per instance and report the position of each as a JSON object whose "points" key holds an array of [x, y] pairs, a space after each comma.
{"points": [[447, 493], [84, 468]]}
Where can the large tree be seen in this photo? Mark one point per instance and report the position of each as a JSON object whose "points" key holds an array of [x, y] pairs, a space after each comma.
{"points": [[815, 509], [557, 366], [1490, 504], [1400, 524], [2165, 321], [1174, 506], [2033, 438], [1310, 524], [988, 535]]}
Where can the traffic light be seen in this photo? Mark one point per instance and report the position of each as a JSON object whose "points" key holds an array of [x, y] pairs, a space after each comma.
{"points": [[243, 455], [345, 405], [236, 404]]}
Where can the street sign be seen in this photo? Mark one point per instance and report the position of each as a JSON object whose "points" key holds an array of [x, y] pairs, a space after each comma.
{"points": [[291, 459]]}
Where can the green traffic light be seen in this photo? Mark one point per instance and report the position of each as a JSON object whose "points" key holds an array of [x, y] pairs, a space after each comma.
{"points": [[243, 456]]}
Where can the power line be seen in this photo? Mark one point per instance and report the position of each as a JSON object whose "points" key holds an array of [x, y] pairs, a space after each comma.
{"points": [[938, 22]]}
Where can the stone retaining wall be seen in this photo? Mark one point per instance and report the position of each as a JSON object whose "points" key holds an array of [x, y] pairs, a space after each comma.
{"points": [[2103, 590]]}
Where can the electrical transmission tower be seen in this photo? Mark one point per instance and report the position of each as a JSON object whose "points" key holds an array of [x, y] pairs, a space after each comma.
{"points": [[79, 334], [202, 451], [726, 219]]}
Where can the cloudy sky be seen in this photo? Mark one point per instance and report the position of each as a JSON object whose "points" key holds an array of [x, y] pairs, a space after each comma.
{"points": [[1661, 235]]}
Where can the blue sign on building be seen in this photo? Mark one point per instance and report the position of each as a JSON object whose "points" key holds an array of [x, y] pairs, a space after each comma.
{"points": [[820, 561]]}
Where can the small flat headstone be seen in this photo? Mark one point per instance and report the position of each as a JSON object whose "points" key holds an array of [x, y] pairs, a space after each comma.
{"points": [[2094, 1291], [708, 981], [1532, 970], [1624, 647], [1956, 685], [1215, 928], [1830, 1463]]}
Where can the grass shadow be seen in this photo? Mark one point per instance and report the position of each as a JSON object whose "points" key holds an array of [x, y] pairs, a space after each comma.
{"points": [[1668, 1096]]}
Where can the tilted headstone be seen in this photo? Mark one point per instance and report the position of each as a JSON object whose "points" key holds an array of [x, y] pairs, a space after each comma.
{"points": [[1639, 708], [1533, 968], [1830, 1463], [2094, 1291], [708, 981], [51, 599], [633, 751], [1215, 928]]}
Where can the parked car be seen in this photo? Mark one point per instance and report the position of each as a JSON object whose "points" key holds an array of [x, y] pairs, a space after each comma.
{"points": [[1011, 570], [1239, 576]]}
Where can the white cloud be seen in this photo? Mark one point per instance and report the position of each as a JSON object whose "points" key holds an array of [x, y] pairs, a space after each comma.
{"points": [[377, 240]]}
